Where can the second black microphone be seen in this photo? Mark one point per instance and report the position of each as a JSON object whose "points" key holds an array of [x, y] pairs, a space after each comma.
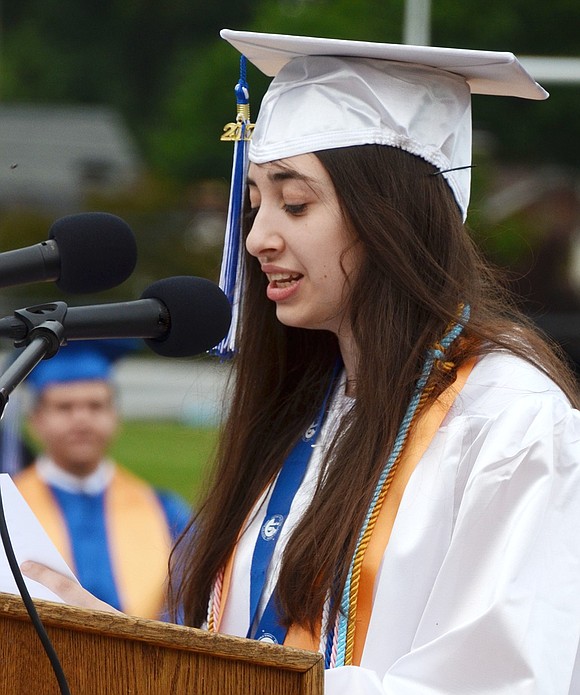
{"points": [[178, 317]]}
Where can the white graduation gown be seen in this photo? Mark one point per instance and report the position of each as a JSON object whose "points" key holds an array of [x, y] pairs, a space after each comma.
{"points": [[479, 588]]}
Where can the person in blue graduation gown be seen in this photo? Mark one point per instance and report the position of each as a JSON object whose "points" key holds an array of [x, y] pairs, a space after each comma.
{"points": [[114, 529]]}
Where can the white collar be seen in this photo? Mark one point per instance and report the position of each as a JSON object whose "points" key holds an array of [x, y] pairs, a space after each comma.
{"points": [[92, 484]]}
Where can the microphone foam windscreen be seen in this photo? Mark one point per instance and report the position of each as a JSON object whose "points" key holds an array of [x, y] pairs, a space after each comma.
{"points": [[97, 251], [199, 315]]}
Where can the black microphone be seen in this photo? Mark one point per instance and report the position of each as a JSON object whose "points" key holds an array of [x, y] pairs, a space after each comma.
{"points": [[180, 316], [88, 252]]}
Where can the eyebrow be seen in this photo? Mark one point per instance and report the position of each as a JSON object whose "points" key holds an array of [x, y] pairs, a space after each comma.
{"points": [[285, 175]]}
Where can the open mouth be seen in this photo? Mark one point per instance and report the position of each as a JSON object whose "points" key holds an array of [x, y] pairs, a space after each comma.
{"points": [[280, 280]]}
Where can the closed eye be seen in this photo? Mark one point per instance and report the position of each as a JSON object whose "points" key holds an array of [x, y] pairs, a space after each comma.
{"points": [[295, 209]]}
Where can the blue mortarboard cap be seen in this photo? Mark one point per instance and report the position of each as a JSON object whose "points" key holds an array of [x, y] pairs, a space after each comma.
{"points": [[83, 360]]}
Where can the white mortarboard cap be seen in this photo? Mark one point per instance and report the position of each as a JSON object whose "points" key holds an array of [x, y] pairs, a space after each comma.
{"points": [[330, 93]]}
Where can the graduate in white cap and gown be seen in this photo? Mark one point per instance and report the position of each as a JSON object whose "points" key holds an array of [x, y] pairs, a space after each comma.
{"points": [[113, 528], [398, 480]]}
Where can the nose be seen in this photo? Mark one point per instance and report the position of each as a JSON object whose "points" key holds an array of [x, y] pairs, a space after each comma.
{"points": [[263, 241], [82, 414]]}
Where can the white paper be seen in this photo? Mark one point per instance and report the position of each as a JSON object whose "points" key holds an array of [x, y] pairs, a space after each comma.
{"points": [[29, 542]]}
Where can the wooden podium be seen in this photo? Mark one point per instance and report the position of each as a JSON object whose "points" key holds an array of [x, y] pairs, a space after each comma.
{"points": [[109, 654]]}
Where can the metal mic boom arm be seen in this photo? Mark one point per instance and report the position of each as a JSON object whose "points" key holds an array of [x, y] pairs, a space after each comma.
{"points": [[43, 340]]}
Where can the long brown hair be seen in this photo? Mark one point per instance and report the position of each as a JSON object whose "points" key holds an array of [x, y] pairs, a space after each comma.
{"points": [[419, 265]]}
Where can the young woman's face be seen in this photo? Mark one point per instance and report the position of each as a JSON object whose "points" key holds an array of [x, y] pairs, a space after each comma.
{"points": [[302, 242]]}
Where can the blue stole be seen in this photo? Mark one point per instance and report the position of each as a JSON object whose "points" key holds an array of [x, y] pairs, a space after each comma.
{"points": [[268, 627], [85, 520], [85, 517]]}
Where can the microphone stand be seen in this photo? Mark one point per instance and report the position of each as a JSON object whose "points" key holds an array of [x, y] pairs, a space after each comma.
{"points": [[45, 334]]}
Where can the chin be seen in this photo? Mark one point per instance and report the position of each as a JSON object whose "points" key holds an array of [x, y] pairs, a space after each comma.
{"points": [[294, 320], [82, 471], [83, 463]]}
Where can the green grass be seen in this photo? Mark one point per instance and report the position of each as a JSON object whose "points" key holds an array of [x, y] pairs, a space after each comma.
{"points": [[167, 454]]}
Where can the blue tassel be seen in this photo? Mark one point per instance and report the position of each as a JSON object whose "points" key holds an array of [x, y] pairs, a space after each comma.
{"points": [[232, 269]]}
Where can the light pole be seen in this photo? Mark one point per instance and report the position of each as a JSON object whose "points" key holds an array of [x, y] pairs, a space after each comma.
{"points": [[417, 22]]}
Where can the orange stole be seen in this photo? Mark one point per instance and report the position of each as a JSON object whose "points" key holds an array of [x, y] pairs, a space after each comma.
{"points": [[417, 443], [138, 536]]}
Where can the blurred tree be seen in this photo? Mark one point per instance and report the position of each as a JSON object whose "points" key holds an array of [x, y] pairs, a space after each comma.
{"points": [[117, 52], [521, 26]]}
